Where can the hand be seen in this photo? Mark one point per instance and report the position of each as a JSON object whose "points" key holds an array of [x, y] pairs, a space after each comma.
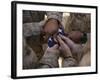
{"points": [[64, 47], [75, 48]]}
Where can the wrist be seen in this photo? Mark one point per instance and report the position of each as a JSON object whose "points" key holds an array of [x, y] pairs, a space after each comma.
{"points": [[68, 54]]}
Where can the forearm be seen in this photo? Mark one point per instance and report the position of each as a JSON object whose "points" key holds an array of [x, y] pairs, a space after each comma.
{"points": [[50, 58], [69, 62], [33, 28]]}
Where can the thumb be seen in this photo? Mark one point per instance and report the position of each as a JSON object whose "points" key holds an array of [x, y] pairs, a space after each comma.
{"points": [[61, 42]]}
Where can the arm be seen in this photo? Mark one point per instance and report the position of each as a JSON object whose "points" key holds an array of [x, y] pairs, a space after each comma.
{"points": [[50, 57], [66, 53]]}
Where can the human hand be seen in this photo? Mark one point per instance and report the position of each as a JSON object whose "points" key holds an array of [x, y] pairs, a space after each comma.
{"points": [[64, 47], [75, 48]]}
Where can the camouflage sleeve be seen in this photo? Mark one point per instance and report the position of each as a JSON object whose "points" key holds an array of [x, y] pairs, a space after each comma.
{"points": [[29, 57], [55, 15], [50, 58], [69, 62], [33, 28]]}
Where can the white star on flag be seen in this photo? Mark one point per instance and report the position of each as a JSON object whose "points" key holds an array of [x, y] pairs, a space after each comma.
{"points": [[50, 39], [59, 30]]}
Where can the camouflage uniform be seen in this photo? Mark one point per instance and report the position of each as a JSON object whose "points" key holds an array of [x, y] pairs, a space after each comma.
{"points": [[32, 26]]}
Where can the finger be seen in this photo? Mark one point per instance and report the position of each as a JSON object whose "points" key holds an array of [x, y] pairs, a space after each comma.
{"points": [[67, 40], [55, 39], [61, 42], [64, 48], [63, 37]]}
